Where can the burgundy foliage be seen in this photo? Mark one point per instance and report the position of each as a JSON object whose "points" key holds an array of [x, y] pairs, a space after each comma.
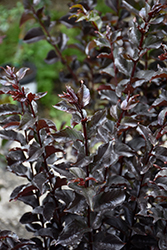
{"points": [[112, 193]]}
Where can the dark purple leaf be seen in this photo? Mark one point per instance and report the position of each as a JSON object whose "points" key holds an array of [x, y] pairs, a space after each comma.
{"points": [[28, 218], [77, 206], [108, 241], [102, 42], [109, 200], [12, 135], [161, 116], [33, 227], [27, 15], [30, 200], [39, 181], [90, 45], [21, 73], [49, 150], [45, 123], [8, 234], [162, 244], [88, 193], [162, 100], [143, 240], [60, 182], [116, 180], [9, 119], [152, 42], [62, 169], [35, 152], [21, 191], [108, 159], [147, 135], [123, 149], [72, 233], [76, 119], [39, 12], [124, 66], [78, 172], [15, 157], [20, 170], [27, 121], [48, 210], [83, 96], [98, 119], [109, 95], [69, 22], [143, 13], [129, 7], [68, 134], [116, 222], [51, 57], [9, 109], [34, 35], [23, 243], [133, 166], [39, 95], [63, 41], [108, 70], [161, 153], [45, 232], [67, 107], [65, 195]]}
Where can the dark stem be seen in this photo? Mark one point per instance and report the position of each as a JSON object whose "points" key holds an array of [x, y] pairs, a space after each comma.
{"points": [[87, 169]]}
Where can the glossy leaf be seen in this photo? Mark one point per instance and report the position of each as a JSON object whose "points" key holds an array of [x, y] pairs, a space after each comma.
{"points": [[83, 96], [39, 181], [12, 135], [108, 241], [97, 120], [34, 35], [51, 57], [72, 233], [109, 200], [21, 73], [68, 134], [28, 217], [9, 109]]}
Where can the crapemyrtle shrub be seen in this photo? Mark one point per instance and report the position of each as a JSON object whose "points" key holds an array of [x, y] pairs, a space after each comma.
{"points": [[111, 193]]}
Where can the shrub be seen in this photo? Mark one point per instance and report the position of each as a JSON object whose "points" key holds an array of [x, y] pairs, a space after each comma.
{"points": [[112, 193]]}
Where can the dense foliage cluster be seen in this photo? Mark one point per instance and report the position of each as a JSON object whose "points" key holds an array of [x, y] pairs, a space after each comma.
{"points": [[111, 193]]}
